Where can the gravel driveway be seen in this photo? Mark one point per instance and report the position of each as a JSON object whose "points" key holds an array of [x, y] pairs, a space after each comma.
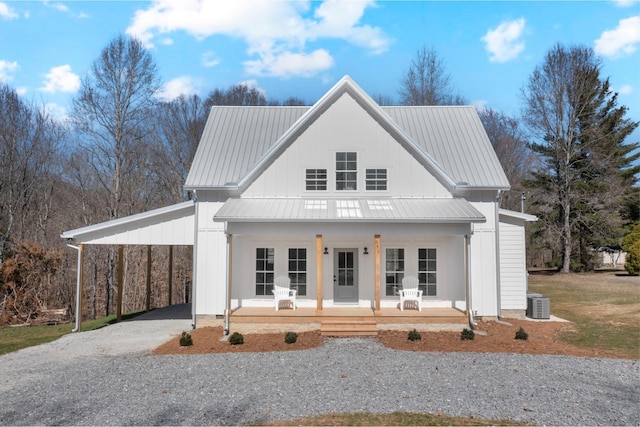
{"points": [[105, 377]]}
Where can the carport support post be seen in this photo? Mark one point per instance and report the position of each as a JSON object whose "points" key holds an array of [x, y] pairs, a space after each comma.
{"points": [[376, 262], [120, 279], [319, 254], [80, 286], [170, 273], [148, 277]]}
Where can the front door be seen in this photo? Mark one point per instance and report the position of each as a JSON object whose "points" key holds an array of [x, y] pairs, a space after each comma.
{"points": [[345, 276]]}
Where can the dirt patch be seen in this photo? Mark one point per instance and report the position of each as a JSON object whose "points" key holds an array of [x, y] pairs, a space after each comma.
{"points": [[499, 338]]}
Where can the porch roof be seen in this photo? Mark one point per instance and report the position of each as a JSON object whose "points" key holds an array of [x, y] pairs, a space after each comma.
{"points": [[392, 210]]}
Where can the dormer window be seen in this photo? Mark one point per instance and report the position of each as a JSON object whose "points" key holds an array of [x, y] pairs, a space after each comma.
{"points": [[376, 179], [346, 171], [316, 179]]}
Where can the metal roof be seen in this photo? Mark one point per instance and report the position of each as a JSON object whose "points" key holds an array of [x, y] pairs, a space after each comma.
{"points": [[518, 215], [238, 142], [233, 141], [405, 210], [456, 139], [170, 225]]}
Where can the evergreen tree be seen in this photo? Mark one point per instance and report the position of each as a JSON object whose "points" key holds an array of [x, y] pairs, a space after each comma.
{"points": [[587, 166]]}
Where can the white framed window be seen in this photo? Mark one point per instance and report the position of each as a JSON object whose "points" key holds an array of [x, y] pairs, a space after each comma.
{"points": [[264, 270], [316, 179], [427, 271], [346, 171], [298, 270], [376, 179], [394, 271]]}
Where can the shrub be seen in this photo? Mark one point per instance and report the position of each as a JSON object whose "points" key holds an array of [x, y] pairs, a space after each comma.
{"points": [[414, 336], [236, 338], [467, 334], [185, 339], [521, 334], [632, 262], [631, 244], [290, 337]]}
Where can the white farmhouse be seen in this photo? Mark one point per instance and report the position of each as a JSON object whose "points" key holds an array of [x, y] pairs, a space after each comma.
{"points": [[345, 198]]}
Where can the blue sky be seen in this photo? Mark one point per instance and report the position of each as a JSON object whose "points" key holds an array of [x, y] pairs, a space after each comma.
{"points": [[301, 48]]}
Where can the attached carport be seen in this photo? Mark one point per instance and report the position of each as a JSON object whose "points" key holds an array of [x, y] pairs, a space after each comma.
{"points": [[168, 226]]}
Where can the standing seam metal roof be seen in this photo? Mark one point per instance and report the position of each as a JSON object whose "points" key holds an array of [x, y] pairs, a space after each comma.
{"points": [[428, 211], [236, 139]]}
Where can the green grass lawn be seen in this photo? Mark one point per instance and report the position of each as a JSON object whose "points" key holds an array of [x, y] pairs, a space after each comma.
{"points": [[604, 308]]}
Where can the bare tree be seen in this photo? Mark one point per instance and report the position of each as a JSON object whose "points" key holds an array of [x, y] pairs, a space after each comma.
{"points": [[179, 127], [511, 147], [580, 133], [29, 146], [383, 99], [240, 94], [109, 114], [426, 82]]}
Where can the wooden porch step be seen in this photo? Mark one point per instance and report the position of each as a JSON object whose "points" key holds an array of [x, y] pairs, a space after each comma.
{"points": [[348, 328]]}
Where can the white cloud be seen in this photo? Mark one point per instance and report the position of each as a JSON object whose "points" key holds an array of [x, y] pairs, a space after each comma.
{"points": [[625, 90], [56, 111], [276, 32], [61, 79], [209, 59], [504, 42], [22, 90], [625, 3], [480, 105], [183, 85], [288, 64], [57, 6], [6, 12], [7, 69], [622, 40]]}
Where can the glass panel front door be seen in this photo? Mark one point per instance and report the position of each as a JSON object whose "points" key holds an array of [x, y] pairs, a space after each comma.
{"points": [[345, 275]]}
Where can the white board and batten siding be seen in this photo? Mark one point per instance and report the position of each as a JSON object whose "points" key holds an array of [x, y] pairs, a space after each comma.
{"points": [[513, 270], [210, 277], [346, 127]]}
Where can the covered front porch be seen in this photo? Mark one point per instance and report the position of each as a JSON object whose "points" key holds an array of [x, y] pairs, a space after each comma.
{"points": [[347, 271], [348, 321]]}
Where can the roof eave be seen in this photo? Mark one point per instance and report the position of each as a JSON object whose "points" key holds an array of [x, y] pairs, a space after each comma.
{"points": [[351, 220]]}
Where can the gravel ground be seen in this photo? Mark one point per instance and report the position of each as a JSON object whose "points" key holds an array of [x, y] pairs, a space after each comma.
{"points": [[57, 384]]}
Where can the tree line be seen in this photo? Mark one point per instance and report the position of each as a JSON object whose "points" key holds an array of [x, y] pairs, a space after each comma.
{"points": [[124, 151]]}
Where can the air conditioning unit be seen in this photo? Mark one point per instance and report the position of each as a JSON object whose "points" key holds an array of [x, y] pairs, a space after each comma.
{"points": [[538, 308]]}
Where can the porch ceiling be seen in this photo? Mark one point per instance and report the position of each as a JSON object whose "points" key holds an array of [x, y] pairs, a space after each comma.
{"points": [[396, 210]]}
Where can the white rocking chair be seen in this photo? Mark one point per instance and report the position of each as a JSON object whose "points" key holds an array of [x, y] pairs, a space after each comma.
{"points": [[410, 292], [281, 292]]}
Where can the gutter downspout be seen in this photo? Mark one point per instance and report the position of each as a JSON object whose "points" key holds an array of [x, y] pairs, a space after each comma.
{"points": [[194, 282], [78, 285], [498, 282], [227, 296], [467, 260]]}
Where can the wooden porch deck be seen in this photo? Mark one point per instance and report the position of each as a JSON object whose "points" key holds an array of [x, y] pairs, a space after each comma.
{"points": [[345, 321]]}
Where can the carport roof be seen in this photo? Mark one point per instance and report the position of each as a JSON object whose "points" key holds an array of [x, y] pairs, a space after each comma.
{"points": [[170, 225]]}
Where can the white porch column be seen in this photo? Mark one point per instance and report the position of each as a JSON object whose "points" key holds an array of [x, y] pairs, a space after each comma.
{"points": [[376, 275], [227, 309], [319, 254]]}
